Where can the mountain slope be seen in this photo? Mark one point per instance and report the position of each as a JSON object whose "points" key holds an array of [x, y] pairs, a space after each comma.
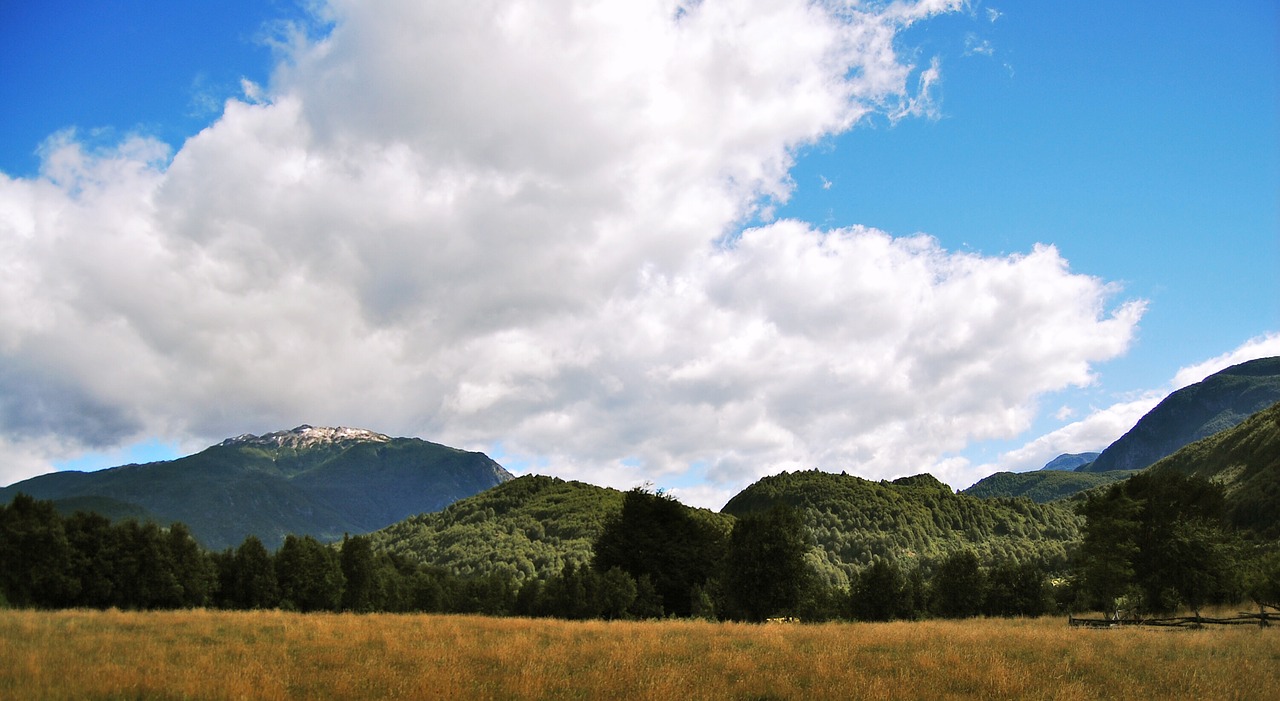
{"points": [[1042, 486], [527, 527], [311, 480], [1070, 461], [1196, 411], [1246, 461], [853, 520]]}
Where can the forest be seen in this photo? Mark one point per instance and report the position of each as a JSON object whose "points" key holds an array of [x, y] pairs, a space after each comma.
{"points": [[1155, 542]]}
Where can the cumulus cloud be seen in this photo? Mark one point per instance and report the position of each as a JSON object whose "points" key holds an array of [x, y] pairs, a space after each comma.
{"points": [[515, 223]]}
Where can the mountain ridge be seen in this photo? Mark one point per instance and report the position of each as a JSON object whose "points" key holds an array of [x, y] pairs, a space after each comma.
{"points": [[1218, 402], [324, 482]]}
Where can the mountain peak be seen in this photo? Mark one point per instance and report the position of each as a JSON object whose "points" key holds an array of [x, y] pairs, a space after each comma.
{"points": [[306, 436]]}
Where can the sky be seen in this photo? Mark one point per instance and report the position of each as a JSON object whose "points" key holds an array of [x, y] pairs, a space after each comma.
{"points": [[678, 243]]}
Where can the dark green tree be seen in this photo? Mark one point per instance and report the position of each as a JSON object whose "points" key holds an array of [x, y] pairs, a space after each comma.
{"points": [[1262, 578], [1161, 535], [192, 567], [1018, 589], [95, 547], [648, 603], [959, 586], [879, 592], [1108, 548], [656, 536], [35, 555], [765, 571], [360, 574], [148, 572], [617, 593], [309, 575], [254, 583]]}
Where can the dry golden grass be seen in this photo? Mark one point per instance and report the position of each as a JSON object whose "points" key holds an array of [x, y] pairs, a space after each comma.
{"points": [[274, 655]]}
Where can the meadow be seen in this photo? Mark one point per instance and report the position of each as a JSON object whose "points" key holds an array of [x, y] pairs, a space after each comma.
{"points": [[199, 654]]}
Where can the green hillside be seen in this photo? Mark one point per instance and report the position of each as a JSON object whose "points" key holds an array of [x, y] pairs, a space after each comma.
{"points": [[1042, 486], [308, 481], [527, 527], [853, 520], [1246, 461]]}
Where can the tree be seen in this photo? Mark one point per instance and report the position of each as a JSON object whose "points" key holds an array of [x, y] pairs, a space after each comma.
{"points": [[879, 592], [1108, 547], [254, 583], [309, 575], [1262, 579], [95, 558], [192, 568], [648, 603], [765, 568], [959, 586], [358, 569], [35, 555], [1161, 535], [148, 577], [617, 593], [1018, 589], [656, 536]]}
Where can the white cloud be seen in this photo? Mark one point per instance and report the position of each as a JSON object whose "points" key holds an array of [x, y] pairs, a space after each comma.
{"points": [[519, 223]]}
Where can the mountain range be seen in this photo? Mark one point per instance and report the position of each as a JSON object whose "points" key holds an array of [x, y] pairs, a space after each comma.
{"points": [[463, 512], [1197, 411], [317, 481]]}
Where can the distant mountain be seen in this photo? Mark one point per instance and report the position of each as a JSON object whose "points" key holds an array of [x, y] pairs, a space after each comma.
{"points": [[310, 480], [527, 527], [853, 520], [1070, 461], [1246, 461], [1042, 486], [1197, 411]]}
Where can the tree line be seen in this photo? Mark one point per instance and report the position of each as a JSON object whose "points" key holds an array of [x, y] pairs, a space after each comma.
{"points": [[1154, 542]]}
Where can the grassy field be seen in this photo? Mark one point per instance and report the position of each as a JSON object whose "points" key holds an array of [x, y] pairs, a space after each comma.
{"points": [[274, 655]]}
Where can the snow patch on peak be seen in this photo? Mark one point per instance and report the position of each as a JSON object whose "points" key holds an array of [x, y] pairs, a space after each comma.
{"points": [[305, 436]]}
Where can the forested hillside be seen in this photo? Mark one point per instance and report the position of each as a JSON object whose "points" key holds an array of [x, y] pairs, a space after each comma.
{"points": [[913, 519], [1245, 460], [527, 527], [1042, 486]]}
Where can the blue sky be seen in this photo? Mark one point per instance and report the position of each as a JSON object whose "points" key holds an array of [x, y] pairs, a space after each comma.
{"points": [[1144, 146]]}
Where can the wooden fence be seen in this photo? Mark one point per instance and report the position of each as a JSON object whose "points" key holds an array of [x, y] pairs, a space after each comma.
{"points": [[1263, 618]]}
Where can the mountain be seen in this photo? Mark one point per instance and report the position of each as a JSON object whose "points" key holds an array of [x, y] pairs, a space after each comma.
{"points": [[310, 480], [1196, 411], [1042, 486], [853, 520], [527, 527], [1070, 461], [1245, 460]]}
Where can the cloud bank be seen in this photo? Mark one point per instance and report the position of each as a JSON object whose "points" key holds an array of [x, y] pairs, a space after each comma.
{"points": [[537, 230]]}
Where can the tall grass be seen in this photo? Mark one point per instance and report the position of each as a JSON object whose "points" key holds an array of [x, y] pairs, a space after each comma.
{"points": [[275, 655]]}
